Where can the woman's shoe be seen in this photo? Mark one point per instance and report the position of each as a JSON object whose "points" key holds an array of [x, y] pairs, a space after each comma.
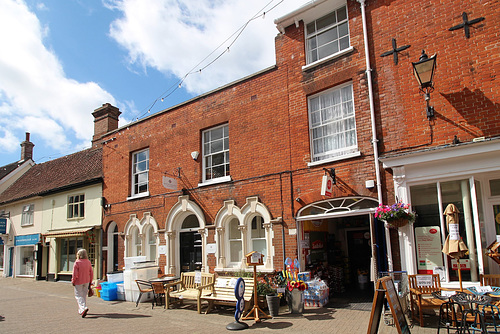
{"points": [[84, 314]]}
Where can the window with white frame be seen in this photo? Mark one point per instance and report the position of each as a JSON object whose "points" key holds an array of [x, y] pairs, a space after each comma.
{"points": [[332, 123], [27, 215], [327, 35], [235, 242], [76, 206], [140, 172], [151, 243], [136, 242], [258, 236], [216, 153]]}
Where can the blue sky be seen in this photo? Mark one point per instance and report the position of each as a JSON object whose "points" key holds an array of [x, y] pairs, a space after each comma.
{"points": [[60, 60]]}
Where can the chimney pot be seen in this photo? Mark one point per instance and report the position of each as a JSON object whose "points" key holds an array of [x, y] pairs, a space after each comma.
{"points": [[27, 148]]}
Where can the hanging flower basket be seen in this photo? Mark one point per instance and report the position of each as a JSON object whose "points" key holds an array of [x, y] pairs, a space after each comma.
{"points": [[400, 222], [396, 215]]}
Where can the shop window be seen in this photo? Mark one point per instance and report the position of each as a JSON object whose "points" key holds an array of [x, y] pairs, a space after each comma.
{"points": [[140, 173], [235, 243], [429, 201], [327, 35], [495, 187], [27, 215], [76, 206], [68, 249], [332, 124], [258, 236], [1, 255], [25, 261], [151, 244], [216, 153]]}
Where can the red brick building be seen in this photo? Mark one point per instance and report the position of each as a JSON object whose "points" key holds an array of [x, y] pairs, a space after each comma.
{"points": [[199, 185]]}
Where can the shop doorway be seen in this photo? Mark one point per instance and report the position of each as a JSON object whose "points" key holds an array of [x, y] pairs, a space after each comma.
{"points": [[359, 255], [190, 251]]}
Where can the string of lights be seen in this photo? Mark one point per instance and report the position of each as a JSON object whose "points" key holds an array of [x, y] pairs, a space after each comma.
{"points": [[197, 69]]}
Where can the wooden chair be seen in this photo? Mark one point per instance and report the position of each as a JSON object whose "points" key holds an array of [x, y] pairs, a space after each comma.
{"points": [[159, 293], [491, 280], [421, 298], [144, 287]]}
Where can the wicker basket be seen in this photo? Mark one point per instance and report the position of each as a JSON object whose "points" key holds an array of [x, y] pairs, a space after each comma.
{"points": [[400, 222]]}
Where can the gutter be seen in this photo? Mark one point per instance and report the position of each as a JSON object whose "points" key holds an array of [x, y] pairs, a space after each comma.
{"points": [[374, 130]]}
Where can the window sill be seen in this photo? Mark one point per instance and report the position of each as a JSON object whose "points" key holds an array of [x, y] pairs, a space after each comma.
{"points": [[138, 196], [326, 59], [340, 157], [26, 225], [215, 181]]}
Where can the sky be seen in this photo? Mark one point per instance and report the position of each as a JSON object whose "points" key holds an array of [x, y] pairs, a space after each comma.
{"points": [[61, 60]]}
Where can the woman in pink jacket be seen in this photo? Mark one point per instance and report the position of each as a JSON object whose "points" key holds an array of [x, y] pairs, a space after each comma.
{"points": [[82, 278]]}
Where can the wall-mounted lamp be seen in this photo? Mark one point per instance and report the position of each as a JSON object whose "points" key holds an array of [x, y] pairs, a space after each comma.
{"points": [[195, 155], [424, 72]]}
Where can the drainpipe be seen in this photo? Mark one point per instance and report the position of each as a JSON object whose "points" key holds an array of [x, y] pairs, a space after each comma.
{"points": [[374, 130]]}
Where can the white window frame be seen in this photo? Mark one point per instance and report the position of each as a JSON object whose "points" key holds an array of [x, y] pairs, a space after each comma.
{"points": [[234, 264], [151, 244], [27, 215], [319, 126], [80, 205], [260, 221], [134, 173], [207, 155], [135, 242], [322, 30]]}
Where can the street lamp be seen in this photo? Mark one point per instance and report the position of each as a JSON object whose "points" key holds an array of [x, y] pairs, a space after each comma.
{"points": [[424, 72]]}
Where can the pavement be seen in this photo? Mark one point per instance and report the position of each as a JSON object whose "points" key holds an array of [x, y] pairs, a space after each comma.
{"points": [[28, 306]]}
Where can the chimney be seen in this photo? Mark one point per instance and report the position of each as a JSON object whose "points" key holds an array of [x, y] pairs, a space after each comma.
{"points": [[105, 120], [27, 148]]}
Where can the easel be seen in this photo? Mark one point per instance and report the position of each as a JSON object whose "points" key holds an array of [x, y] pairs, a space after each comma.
{"points": [[255, 259]]}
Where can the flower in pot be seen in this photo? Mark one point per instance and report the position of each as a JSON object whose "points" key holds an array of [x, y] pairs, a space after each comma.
{"points": [[396, 215]]}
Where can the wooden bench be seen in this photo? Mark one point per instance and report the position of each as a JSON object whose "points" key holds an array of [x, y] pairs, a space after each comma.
{"points": [[489, 279], [421, 289], [222, 293], [186, 288]]}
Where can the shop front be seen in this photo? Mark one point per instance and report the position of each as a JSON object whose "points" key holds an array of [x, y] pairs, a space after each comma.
{"points": [[24, 256], [337, 241], [467, 176], [61, 248]]}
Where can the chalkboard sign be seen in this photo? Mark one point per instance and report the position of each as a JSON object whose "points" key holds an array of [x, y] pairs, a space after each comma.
{"points": [[385, 287]]}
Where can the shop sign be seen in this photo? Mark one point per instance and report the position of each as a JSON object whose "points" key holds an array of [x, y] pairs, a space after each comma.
{"points": [[3, 225], [428, 243], [464, 264], [25, 240], [327, 186], [318, 244]]}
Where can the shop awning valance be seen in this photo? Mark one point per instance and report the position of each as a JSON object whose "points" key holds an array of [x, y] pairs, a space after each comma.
{"points": [[67, 233]]}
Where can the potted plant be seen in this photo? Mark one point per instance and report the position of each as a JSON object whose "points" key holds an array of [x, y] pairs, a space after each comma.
{"points": [[396, 215]]}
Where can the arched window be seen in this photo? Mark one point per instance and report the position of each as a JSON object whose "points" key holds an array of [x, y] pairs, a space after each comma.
{"points": [[136, 249], [235, 242], [258, 236], [150, 243]]}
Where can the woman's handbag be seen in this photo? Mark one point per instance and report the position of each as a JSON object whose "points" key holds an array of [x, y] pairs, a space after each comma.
{"points": [[91, 291]]}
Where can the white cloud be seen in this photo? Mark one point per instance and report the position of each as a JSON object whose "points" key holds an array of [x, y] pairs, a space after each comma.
{"points": [[174, 36], [35, 92]]}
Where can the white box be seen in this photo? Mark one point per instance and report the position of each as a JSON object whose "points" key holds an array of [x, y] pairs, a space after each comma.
{"points": [[113, 278]]}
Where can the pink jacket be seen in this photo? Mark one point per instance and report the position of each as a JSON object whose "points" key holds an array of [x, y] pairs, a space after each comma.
{"points": [[82, 272]]}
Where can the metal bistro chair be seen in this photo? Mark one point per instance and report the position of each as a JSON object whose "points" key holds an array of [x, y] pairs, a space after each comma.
{"points": [[450, 317], [473, 318], [159, 293], [144, 287]]}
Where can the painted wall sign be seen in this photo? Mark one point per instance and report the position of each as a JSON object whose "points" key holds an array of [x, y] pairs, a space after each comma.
{"points": [[429, 255]]}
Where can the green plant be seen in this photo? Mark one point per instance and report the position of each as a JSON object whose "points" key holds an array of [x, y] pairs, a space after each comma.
{"points": [[264, 289]]}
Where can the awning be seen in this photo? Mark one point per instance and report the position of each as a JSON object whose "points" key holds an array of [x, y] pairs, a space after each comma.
{"points": [[67, 233]]}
